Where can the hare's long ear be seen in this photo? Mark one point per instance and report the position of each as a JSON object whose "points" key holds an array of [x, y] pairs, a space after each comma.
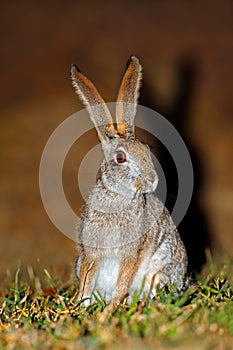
{"points": [[128, 97], [98, 110]]}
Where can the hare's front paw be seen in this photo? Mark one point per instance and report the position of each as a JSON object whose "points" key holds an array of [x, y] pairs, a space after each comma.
{"points": [[114, 304]]}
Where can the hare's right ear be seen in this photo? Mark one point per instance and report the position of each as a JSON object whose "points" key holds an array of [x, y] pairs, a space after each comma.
{"points": [[98, 110], [128, 97]]}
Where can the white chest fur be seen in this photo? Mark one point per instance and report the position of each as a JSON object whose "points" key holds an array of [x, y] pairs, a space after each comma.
{"points": [[105, 280]]}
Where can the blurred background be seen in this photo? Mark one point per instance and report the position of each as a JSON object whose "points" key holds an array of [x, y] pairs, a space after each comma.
{"points": [[186, 49]]}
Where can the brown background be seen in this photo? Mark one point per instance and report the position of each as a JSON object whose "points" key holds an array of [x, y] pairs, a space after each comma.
{"points": [[187, 52]]}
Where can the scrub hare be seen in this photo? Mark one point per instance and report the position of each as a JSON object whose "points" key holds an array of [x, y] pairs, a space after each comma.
{"points": [[127, 241]]}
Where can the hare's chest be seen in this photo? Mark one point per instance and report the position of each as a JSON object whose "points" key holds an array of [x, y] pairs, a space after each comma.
{"points": [[107, 276]]}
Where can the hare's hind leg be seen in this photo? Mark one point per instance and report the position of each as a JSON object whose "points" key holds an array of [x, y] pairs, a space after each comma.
{"points": [[88, 271]]}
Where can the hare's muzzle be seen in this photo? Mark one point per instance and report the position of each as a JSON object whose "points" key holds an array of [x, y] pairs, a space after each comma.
{"points": [[147, 184]]}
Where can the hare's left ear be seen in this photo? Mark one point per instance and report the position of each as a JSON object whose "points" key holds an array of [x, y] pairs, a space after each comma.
{"points": [[128, 97], [97, 108]]}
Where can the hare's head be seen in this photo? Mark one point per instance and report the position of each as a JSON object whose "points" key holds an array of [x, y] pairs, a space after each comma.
{"points": [[127, 168]]}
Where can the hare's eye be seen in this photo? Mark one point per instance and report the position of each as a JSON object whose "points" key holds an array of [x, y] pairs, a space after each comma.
{"points": [[120, 157]]}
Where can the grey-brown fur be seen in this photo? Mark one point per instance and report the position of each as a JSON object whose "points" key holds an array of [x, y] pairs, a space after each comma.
{"points": [[126, 237]]}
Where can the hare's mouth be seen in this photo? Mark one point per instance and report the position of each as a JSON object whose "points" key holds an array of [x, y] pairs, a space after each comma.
{"points": [[154, 184]]}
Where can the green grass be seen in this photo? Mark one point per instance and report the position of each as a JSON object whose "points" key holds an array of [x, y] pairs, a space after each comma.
{"points": [[50, 317]]}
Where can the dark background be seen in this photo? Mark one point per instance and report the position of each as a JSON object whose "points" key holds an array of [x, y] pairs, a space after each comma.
{"points": [[186, 49]]}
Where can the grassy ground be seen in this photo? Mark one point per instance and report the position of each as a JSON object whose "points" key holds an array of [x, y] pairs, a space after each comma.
{"points": [[48, 316]]}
